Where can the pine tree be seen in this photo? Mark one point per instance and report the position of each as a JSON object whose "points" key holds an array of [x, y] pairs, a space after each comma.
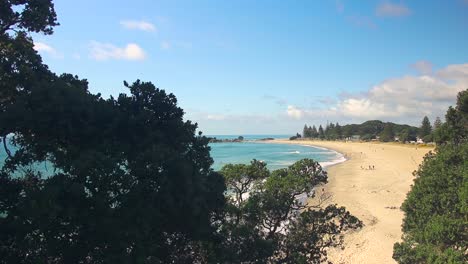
{"points": [[321, 133], [315, 131], [426, 128], [437, 123], [339, 132]]}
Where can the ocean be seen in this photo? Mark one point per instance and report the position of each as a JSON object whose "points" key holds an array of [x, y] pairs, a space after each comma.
{"points": [[275, 155]]}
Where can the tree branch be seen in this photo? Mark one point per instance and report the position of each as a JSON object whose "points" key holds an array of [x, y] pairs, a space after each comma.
{"points": [[8, 26], [8, 152]]}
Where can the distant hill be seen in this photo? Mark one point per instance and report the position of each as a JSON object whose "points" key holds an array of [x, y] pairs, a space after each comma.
{"points": [[373, 129]]}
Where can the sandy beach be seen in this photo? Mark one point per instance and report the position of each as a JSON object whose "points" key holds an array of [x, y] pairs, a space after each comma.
{"points": [[374, 196]]}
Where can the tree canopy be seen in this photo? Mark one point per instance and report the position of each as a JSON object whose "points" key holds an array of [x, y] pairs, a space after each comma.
{"points": [[272, 222], [387, 134], [130, 181], [27, 16], [425, 131], [367, 131], [436, 208]]}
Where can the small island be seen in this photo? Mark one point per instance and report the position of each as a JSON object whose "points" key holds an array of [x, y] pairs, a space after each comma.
{"points": [[226, 140]]}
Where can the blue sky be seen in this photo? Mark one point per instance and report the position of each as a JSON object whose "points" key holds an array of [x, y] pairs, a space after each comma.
{"points": [[268, 67]]}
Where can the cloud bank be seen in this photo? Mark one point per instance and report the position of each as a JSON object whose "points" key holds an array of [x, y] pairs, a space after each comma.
{"points": [[403, 99]]}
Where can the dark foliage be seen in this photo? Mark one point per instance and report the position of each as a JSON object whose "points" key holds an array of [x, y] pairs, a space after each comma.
{"points": [[425, 130], [129, 180], [267, 222]]}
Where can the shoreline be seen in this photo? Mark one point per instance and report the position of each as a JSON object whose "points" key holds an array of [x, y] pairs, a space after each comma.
{"points": [[374, 196], [325, 164]]}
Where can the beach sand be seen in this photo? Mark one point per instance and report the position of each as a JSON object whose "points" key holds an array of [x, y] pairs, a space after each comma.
{"points": [[374, 196]]}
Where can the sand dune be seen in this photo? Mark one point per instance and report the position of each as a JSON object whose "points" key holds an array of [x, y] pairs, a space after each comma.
{"points": [[374, 196]]}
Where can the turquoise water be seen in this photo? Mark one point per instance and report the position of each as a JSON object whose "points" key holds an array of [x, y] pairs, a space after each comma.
{"points": [[249, 137], [275, 155]]}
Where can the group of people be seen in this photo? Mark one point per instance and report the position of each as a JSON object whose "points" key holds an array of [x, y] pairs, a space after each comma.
{"points": [[371, 167]]}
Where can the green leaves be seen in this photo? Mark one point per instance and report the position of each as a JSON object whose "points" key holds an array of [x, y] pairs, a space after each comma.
{"points": [[241, 178], [276, 219], [27, 15], [387, 134], [436, 211], [131, 182], [316, 230], [127, 171], [425, 128]]}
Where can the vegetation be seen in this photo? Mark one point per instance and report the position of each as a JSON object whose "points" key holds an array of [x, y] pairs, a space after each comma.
{"points": [[295, 137], [387, 134], [436, 208], [366, 131], [268, 219], [425, 131], [437, 123], [131, 181]]}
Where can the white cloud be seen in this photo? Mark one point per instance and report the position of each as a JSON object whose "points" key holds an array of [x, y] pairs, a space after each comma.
{"points": [[105, 51], [138, 25], [389, 9], [458, 72], [403, 99], [295, 112], [44, 48], [39, 46], [363, 107], [409, 97]]}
